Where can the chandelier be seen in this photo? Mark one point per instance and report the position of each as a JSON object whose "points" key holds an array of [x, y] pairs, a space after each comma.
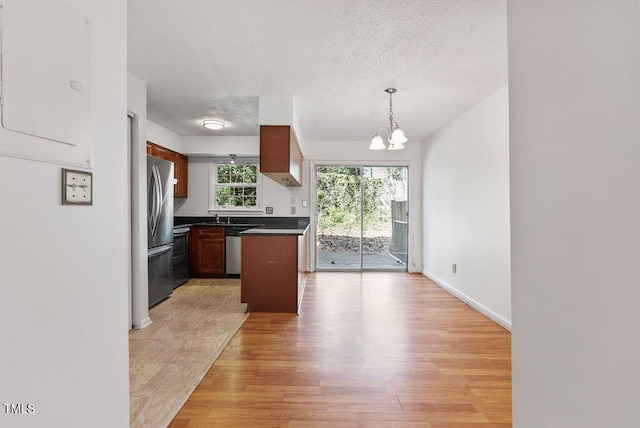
{"points": [[396, 138]]}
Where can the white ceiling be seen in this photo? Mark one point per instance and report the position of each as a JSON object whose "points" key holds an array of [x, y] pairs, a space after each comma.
{"points": [[215, 58]]}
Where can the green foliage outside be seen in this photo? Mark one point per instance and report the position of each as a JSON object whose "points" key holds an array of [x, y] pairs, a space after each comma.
{"points": [[339, 198], [236, 185], [236, 173]]}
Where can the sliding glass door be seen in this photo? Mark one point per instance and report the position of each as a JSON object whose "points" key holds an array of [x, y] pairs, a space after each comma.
{"points": [[362, 219], [339, 217], [384, 231]]}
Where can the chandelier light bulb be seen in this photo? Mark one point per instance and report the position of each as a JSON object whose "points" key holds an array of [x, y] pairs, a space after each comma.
{"points": [[395, 146]]}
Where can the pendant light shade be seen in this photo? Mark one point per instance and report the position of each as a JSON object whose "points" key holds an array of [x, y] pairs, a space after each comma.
{"points": [[398, 137], [377, 143]]}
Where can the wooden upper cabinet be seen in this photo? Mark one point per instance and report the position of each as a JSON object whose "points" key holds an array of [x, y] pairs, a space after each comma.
{"points": [[280, 155], [180, 167], [162, 152]]}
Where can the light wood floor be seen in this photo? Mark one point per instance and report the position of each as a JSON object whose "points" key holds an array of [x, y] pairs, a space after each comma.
{"points": [[367, 349]]}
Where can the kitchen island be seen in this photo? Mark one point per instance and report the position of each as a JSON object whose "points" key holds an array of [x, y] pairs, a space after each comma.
{"points": [[274, 266]]}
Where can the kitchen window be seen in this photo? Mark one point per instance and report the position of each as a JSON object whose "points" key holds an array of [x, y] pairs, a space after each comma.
{"points": [[235, 186]]}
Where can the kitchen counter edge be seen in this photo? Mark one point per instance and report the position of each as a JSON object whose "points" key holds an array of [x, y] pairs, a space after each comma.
{"points": [[266, 231]]}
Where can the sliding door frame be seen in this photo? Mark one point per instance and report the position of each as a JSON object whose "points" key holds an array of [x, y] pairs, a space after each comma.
{"points": [[313, 253]]}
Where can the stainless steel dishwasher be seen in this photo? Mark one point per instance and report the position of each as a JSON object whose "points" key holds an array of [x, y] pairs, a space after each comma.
{"points": [[233, 250]]}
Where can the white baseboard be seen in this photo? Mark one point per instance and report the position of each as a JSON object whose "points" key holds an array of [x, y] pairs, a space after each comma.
{"points": [[144, 323], [469, 301]]}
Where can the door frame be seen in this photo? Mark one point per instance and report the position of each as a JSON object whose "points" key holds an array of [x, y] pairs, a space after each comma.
{"points": [[314, 208]]}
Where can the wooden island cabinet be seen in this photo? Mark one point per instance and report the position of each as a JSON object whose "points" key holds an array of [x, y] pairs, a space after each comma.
{"points": [[274, 266], [207, 252]]}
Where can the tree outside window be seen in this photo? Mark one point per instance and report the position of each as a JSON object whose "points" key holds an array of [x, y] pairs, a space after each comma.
{"points": [[236, 186]]}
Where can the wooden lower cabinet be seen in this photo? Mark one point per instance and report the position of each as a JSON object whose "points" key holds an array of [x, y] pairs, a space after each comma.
{"points": [[207, 252]]}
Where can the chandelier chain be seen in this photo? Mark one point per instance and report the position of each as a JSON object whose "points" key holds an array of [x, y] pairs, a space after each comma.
{"points": [[390, 112]]}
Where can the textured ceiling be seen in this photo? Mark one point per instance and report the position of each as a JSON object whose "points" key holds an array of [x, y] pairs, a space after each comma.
{"points": [[215, 58]]}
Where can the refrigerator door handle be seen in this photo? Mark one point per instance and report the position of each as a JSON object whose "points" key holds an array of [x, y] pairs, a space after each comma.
{"points": [[151, 201], [154, 201], [159, 197]]}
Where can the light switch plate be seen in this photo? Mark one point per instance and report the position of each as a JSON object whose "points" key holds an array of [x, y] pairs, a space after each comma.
{"points": [[77, 187]]}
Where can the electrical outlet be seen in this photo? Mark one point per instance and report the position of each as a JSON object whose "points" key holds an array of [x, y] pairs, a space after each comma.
{"points": [[269, 210], [304, 204], [454, 268], [293, 210]]}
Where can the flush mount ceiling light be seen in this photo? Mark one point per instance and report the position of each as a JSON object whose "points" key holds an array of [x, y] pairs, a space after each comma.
{"points": [[213, 124], [396, 136]]}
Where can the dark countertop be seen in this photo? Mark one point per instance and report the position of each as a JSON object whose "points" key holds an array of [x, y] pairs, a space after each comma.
{"points": [[270, 222], [254, 225], [214, 224], [266, 232]]}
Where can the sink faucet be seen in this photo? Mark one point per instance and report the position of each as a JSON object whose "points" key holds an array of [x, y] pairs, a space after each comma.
{"points": [[217, 219]]}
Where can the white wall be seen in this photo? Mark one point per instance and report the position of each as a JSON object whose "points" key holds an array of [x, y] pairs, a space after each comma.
{"points": [[64, 286], [162, 136], [137, 105], [221, 146], [465, 191], [574, 82]]}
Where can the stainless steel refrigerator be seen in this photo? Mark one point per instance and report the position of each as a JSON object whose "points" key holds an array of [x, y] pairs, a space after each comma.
{"points": [[159, 228]]}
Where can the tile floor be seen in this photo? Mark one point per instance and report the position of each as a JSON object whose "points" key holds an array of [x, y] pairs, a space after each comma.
{"points": [[168, 359]]}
